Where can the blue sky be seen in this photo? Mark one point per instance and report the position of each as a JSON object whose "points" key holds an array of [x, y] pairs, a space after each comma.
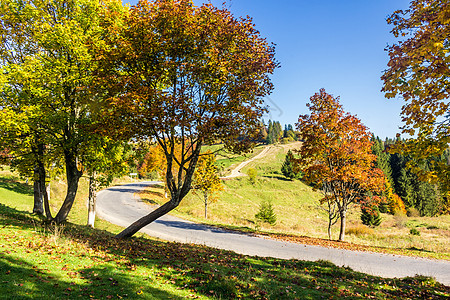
{"points": [[333, 44]]}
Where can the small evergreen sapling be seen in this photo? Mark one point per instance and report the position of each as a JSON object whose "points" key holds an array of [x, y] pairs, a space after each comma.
{"points": [[266, 213]]}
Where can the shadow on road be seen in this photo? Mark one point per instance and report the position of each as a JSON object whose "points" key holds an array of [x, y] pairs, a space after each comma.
{"points": [[199, 227]]}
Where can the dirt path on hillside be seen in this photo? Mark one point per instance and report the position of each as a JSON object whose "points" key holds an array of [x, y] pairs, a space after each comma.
{"points": [[236, 172]]}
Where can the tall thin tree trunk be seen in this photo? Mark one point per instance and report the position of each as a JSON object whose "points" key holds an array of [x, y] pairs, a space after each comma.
{"points": [[92, 201], [205, 194], [342, 229], [73, 177], [38, 207], [329, 230]]}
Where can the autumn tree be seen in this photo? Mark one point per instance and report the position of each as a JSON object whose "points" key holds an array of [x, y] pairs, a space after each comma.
{"points": [[206, 180], [184, 75], [418, 72], [336, 156]]}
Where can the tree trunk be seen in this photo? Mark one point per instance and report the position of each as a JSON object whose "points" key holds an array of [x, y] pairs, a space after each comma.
{"points": [[144, 221], [42, 178], [329, 230], [73, 177], [205, 194], [92, 201], [38, 207], [342, 229]]}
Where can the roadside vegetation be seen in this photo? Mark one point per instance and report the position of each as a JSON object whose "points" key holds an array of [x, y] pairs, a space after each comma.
{"points": [[300, 218], [74, 260]]}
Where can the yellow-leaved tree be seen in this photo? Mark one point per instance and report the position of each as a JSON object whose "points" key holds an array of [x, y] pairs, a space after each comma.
{"points": [[206, 180]]}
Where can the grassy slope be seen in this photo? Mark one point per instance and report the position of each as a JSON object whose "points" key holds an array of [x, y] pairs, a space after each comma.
{"points": [[296, 207], [79, 262]]}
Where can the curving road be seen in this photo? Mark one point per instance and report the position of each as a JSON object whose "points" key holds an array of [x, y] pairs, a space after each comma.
{"points": [[120, 205]]}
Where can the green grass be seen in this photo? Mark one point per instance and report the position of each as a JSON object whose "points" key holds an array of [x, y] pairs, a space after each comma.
{"points": [[298, 213], [78, 262]]}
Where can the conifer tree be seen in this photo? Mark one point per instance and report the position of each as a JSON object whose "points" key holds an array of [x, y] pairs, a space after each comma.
{"points": [[288, 167], [370, 216]]}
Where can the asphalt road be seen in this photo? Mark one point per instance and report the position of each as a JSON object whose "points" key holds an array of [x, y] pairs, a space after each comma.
{"points": [[119, 205]]}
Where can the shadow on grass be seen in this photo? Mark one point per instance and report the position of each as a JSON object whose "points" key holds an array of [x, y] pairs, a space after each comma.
{"points": [[135, 267], [21, 280], [12, 185], [276, 176]]}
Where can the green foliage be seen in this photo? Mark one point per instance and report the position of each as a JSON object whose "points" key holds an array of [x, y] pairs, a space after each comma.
{"points": [[288, 167], [266, 213], [252, 175], [370, 216], [423, 196], [274, 132]]}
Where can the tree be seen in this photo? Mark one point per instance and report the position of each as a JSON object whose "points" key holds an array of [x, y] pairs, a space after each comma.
{"points": [[51, 79], [370, 214], [336, 155], [288, 168], [270, 133], [184, 75], [206, 181], [103, 160], [252, 174], [418, 72], [266, 213]]}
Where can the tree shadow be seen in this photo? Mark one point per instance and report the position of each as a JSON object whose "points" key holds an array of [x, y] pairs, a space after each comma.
{"points": [[21, 280], [13, 185]]}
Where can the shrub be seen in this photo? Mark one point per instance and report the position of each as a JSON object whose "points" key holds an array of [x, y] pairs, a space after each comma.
{"points": [[252, 173], [414, 231], [266, 213], [396, 205], [288, 168], [400, 220]]}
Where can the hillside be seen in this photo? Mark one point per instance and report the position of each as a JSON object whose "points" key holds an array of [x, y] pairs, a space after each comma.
{"points": [[298, 212]]}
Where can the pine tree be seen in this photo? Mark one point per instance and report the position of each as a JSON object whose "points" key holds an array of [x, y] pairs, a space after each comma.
{"points": [[370, 215], [266, 213], [288, 167], [270, 133]]}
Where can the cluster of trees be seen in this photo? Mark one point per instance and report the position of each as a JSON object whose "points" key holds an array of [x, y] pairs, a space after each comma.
{"points": [[80, 79], [336, 155], [274, 133], [418, 68], [417, 195]]}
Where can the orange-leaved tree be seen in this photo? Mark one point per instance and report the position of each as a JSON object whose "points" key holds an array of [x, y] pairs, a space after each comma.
{"points": [[418, 71], [206, 179], [336, 157], [184, 75]]}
